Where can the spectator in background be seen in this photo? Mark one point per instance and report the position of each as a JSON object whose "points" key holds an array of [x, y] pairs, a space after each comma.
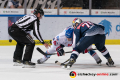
{"points": [[14, 4]]}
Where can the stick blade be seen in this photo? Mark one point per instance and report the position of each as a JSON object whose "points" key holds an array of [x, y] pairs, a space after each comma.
{"points": [[57, 62]]}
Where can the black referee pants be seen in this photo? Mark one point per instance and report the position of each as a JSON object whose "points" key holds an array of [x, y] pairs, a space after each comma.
{"points": [[22, 39]]}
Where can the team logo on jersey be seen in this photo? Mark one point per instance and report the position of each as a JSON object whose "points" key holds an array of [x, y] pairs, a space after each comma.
{"points": [[55, 43], [72, 74]]}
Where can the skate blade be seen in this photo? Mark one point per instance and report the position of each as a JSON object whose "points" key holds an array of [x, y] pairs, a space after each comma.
{"points": [[28, 66], [110, 65], [17, 64], [66, 67], [100, 64], [63, 67]]}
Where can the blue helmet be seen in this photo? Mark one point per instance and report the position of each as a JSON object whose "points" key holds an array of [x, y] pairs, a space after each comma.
{"points": [[69, 33]]}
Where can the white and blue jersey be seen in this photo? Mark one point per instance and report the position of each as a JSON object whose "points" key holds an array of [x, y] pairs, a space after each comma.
{"points": [[59, 40]]}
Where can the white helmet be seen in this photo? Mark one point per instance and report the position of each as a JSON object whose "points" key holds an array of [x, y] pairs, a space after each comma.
{"points": [[76, 20]]}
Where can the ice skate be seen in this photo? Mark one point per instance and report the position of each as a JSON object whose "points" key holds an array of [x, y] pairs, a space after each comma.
{"points": [[28, 64], [69, 64], [41, 60], [110, 63], [98, 61], [17, 62]]}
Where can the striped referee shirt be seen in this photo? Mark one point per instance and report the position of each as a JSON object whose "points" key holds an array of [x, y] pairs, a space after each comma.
{"points": [[28, 23]]}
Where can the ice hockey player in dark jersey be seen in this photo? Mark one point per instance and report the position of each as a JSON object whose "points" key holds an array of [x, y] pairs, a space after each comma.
{"points": [[85, 34], [20, 32], [64, 39]]}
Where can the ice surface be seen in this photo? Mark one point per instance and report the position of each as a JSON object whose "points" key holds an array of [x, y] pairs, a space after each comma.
{"points": [[50, 71]]}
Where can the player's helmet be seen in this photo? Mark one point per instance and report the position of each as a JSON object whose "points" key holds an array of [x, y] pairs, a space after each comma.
{"points": [[38, 10], [76, 20], [69, 33]]}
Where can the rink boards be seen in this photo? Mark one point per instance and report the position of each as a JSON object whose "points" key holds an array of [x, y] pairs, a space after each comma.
{"points": [[7, 43], [51, 25]]}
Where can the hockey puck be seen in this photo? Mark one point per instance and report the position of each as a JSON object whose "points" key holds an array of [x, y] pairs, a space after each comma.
{"points": [[56, 61], [10, 40]]}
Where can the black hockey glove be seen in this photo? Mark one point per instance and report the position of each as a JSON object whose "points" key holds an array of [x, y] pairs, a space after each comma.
{"points": [[60, 51]]}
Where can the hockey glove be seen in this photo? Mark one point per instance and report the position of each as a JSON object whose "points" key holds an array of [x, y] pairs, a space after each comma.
{"points": [[60, 51]]}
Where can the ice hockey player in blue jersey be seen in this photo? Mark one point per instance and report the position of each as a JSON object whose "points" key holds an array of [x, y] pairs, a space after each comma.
{"points": [[87, 33], [89, 50]]}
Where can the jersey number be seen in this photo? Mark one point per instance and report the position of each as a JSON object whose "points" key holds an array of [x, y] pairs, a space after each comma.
{"points": [[85, 24]]}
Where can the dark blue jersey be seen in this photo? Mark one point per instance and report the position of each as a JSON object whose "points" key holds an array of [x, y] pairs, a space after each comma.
{"points": [[82, 28]]}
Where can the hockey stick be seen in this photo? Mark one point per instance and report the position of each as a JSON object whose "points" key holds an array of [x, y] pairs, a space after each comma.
{"points": [[48, 54], [56, 53], [61, 64], [106, 33], [53, 53]]}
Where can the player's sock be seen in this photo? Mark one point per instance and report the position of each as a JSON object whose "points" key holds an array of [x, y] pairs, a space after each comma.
{"points": [[48, 56], [95, 56], [74, 55], [108, 57], [105, 53], [45, 58]]}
